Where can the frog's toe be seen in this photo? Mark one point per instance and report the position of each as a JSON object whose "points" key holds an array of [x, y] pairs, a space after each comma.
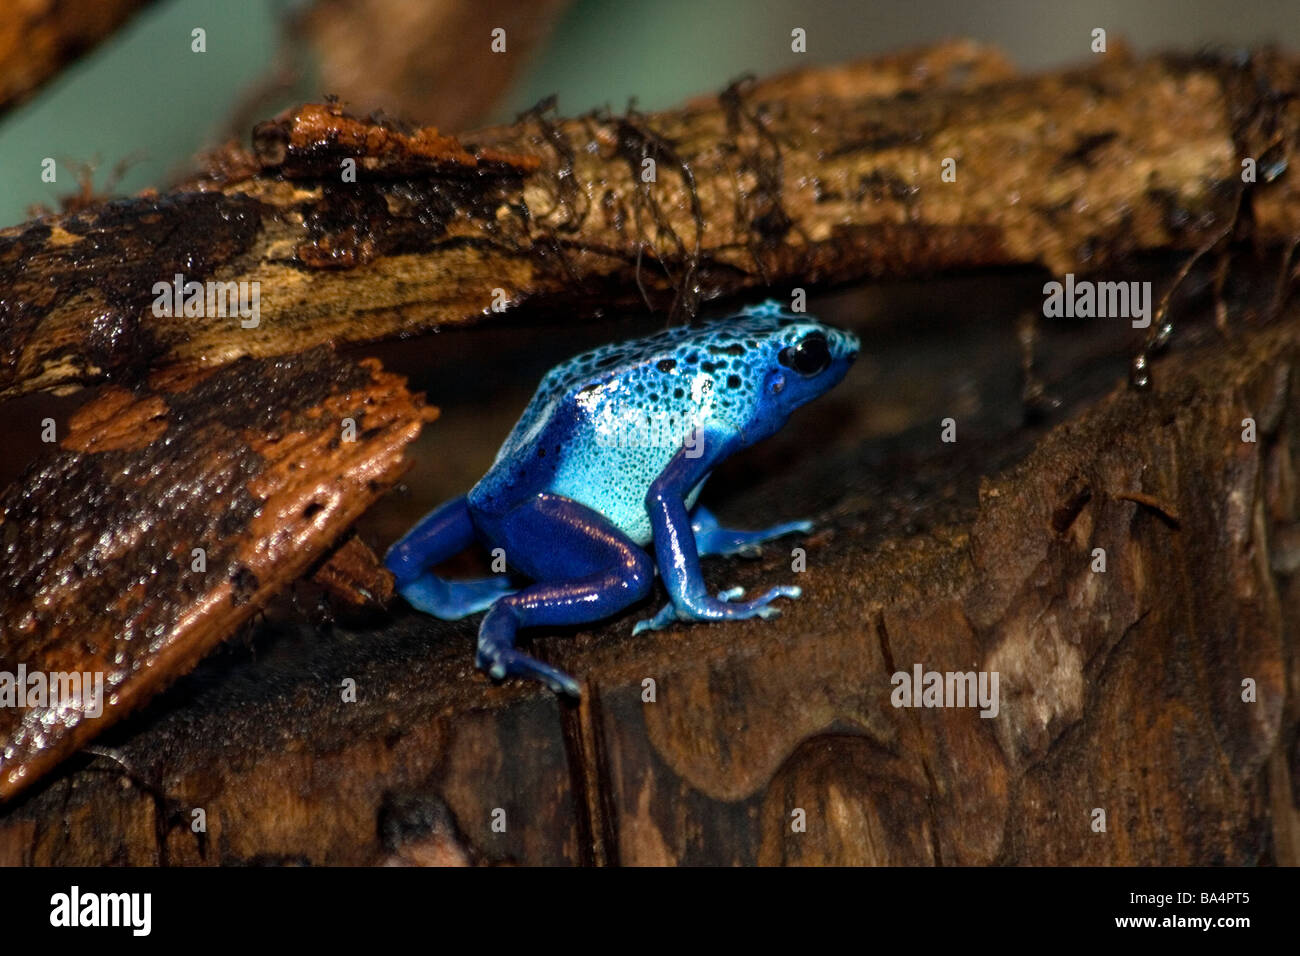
{"points": [[667, 615], [790, 527], [780, 591], [748, 544], [711, 538], [508, 662], [759, 607], [725, 609]]}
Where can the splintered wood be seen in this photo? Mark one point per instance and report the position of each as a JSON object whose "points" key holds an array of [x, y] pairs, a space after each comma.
{"points": [[169, 517]]}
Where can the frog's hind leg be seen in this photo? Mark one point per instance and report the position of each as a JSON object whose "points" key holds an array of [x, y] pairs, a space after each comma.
{"points": [[712, 538], [585, 569], [441, 534]]}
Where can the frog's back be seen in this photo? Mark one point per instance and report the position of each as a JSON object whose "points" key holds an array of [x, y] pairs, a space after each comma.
{"points": [[603, 425]]}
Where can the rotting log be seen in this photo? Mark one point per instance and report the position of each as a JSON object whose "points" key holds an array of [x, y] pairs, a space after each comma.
{"points": [[168, 517], [1120, 690], [828, 175]]}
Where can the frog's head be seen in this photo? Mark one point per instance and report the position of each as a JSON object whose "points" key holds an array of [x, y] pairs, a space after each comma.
{"points": [[798, 359]]}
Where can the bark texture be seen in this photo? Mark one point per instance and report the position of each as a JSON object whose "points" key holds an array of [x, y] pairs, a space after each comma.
{"points": [[168, 519], [826, 176]]}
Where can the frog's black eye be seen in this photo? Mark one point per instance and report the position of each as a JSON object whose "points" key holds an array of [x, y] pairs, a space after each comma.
{"points": [[810, 357]]}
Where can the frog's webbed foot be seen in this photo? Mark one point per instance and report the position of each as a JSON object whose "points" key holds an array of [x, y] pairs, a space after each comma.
{"points": [[453, 600], [501, 661], [721, 609], [711, 538]]}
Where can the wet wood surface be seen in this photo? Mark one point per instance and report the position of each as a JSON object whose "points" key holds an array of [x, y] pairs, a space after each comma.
{"points": [[830, 175], [168, 517]]}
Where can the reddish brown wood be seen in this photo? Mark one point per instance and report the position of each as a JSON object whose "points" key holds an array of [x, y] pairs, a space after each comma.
{"points": [[250, 463]]}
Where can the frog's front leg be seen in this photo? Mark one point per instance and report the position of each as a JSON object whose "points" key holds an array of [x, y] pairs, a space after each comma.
{"points": [[711, 538], [585, 569], [676, 551], [441, 534]]}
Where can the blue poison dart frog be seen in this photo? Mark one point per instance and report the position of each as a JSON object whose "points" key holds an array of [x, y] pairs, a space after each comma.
{"points": [[609, 456]]}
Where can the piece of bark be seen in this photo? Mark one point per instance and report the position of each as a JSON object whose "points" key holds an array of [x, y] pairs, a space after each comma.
{"points": [[39, 37], [1120, 690], [252, 463], [825, 176], [354, 576]]}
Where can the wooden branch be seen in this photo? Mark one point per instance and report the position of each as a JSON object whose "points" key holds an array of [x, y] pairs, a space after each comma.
{"points": [[251, 464], [1120, 689], [39, 37], [826, 176]]}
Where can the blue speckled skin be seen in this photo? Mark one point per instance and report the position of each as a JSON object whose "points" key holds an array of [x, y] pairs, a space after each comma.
{"points": [[609, 456]]}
